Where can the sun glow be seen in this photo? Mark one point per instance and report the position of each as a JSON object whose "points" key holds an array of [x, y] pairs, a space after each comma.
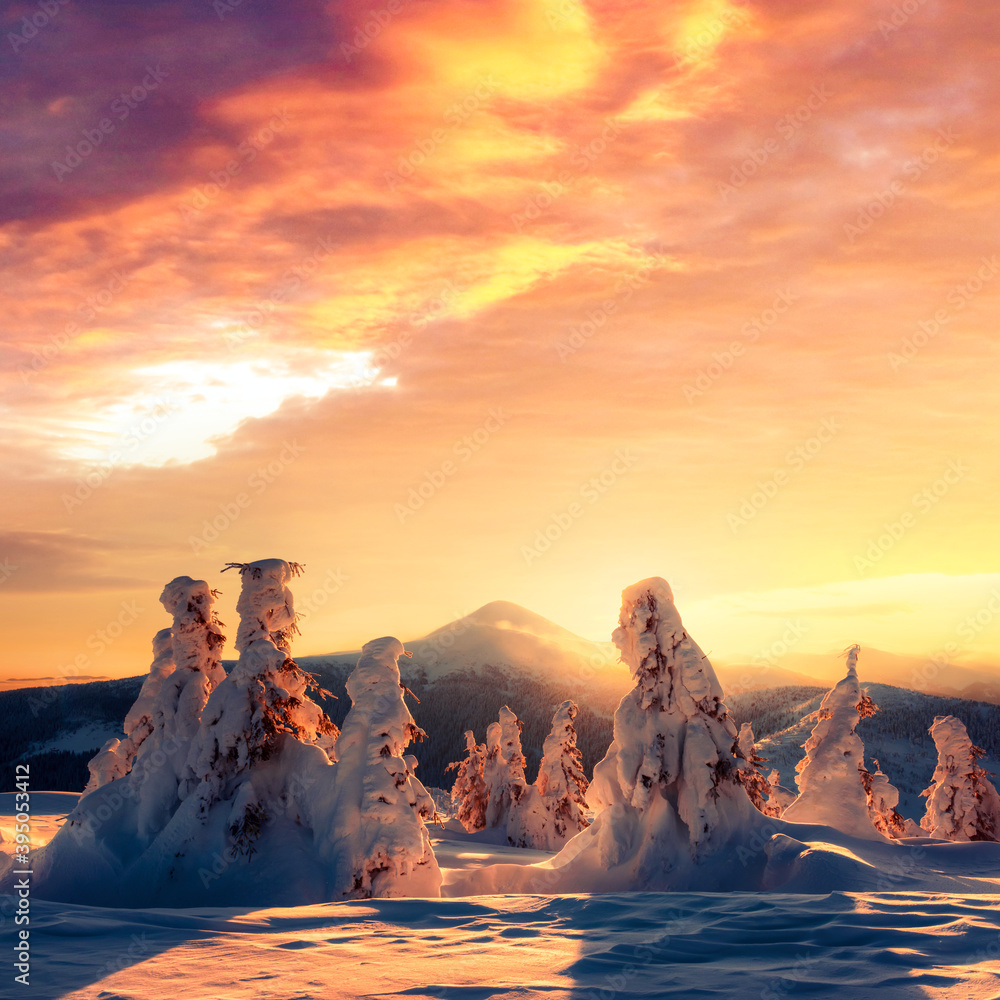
{"points": [[178, 411]]}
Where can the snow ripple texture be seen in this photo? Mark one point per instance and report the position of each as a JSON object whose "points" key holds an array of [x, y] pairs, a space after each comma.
{"points": [[898, 945]]}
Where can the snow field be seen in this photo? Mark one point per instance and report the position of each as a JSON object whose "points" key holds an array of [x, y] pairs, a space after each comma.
{"points": [[572, 947]]}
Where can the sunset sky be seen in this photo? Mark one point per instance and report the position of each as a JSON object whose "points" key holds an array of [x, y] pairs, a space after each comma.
{"points": [[501, 299]]}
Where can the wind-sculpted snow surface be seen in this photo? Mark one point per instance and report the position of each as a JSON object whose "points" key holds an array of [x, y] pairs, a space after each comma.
{"points": [[375, 807], [877, 919], [668, 946]]}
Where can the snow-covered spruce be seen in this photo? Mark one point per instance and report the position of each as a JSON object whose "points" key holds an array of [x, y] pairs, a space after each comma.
{"points": [[667, 795], [196, 648], [751, 777], [469, 794], [831, 791], [503, 769], [186, 668], [554, 809], [779, 798], [114, 759], [962, 803], [265, 699], [266, 606], [883, 797], [112, 845], [374, 808], [238, 789]]}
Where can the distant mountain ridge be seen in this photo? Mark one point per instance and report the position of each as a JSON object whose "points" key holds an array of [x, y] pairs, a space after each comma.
{"points": [[466, 670]]}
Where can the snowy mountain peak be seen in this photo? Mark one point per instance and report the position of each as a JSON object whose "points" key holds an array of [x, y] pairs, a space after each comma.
{"points": [[507, 615]]}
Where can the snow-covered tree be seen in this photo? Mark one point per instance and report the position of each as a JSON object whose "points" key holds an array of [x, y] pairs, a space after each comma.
{"points": [[183, 826], [883, 797], [561, 785], [265, 698], [503, 769], [962, 803], [259, 709], [266, 606], [186, 668], [114, 759], [110, 762], [161, 775], [469, 794], [377, 845], [667, 793], [831, 791], [779, 798], [423, 801], [749, 774]]}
